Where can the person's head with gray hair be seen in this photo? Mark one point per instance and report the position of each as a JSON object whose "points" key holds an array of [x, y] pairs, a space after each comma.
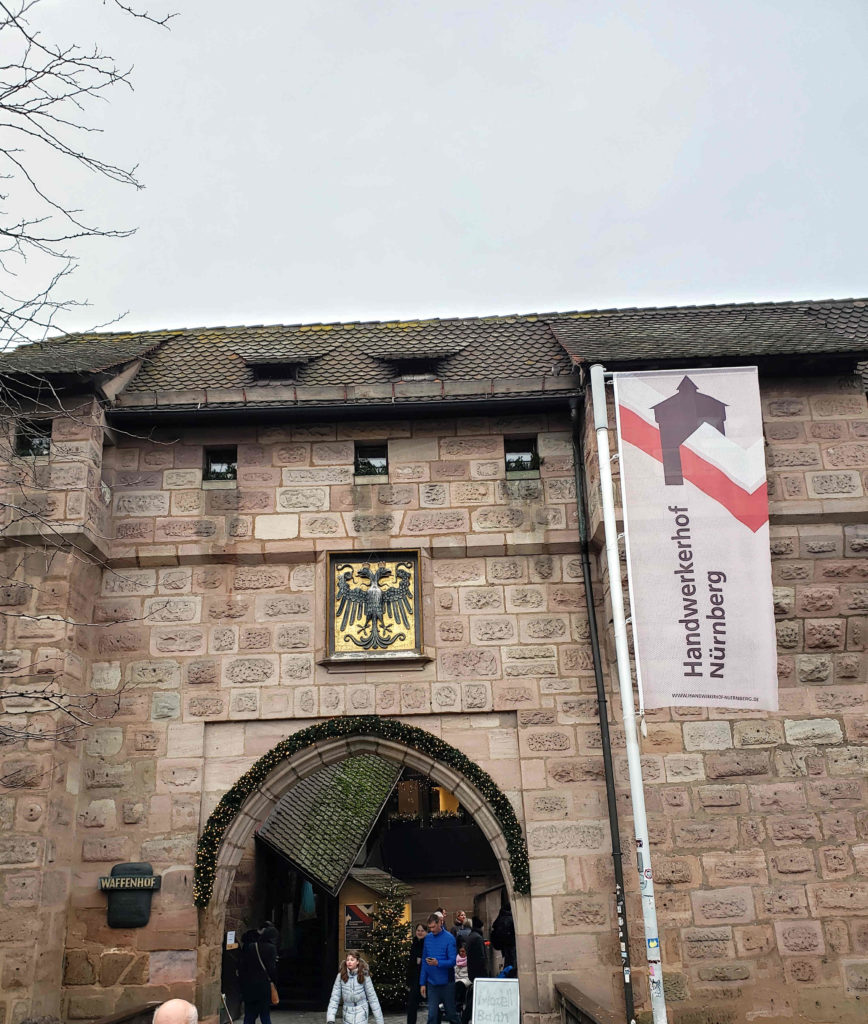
{"points": [[176, 1011]]}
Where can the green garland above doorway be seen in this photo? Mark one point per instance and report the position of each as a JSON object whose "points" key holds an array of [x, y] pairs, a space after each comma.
{"points": [[357, 725]]}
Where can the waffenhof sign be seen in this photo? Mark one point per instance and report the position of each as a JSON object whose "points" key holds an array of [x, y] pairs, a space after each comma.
{"points": [[695, 503], [129, 888], [374, 605]]}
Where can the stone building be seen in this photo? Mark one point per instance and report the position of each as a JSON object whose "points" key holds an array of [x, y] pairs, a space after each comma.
{"points": [[171, 504]]}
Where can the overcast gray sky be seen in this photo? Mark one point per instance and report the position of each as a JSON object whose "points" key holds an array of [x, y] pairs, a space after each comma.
{"points": [[313, 160]]}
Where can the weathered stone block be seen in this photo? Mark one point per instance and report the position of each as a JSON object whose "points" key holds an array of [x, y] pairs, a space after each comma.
{"points": [[782, 901], [708, 944], [499, 518], [582, 912], [794, 828], [477, 599], [150, 503], [567, 837], [707, 735], [205, 707], [173, 609], [757, 733], [813, 668], [20, 850], [165, 705], [722, 797], [282, 608], [260, 577], [99, 814], [838, 899], [468, 663], [813, 731], [719, 833], [779, 796], [840, 484], [747, 867], [258, 670], [848, 761], [684, 767], [79, 967], [436, 522], [240, 501], [178, 640], [824, 634], [104, 742], [856, 977], [727, 764], [165, 672], [799, 456], [496, 629], [107, 776], [109, 849]]}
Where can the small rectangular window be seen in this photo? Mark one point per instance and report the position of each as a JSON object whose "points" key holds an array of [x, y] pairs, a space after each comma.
{"points": [[521, 456], [372, 460], [221, 464], [416, 369], [33, 438], [275, 372]]}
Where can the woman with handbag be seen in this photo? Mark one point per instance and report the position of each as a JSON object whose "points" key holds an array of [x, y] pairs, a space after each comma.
{"points": [[257, 974], [354, 988]]}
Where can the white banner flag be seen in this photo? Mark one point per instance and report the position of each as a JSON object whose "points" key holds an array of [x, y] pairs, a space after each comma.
{"points": [[696, 519]]}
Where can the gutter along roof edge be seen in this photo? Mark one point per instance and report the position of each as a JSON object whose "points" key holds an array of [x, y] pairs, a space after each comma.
{"points": [[343, 396]]}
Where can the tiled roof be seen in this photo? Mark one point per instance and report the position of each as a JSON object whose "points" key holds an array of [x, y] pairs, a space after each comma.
{"points": [[380, 882], [747, 330], [472, 349], [79, 353], [322, 822], [352, 353]]}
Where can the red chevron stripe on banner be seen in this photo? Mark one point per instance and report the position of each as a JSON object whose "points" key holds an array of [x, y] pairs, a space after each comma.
{"points": [[750, 508]]}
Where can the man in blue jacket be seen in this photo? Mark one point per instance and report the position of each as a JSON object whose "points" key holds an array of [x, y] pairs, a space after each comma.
{"points": [[435, 978]]}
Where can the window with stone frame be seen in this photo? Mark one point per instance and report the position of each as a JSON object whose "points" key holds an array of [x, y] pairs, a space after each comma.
{"points": [[371, 460], [221, 463], [521, 456], [33, 438]]}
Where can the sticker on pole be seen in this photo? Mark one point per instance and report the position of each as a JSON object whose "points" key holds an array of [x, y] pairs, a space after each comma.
{"points": [[696, 521]]}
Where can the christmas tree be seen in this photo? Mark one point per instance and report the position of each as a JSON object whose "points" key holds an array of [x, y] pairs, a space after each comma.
{"points": [[388, 949]]}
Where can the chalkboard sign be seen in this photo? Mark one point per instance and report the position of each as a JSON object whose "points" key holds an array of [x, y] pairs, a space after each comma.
{"points": [[496, 1001]]}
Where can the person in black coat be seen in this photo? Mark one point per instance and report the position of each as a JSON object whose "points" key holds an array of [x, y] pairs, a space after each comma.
{"points": [[477, 965], [503, 937], [257, 969], [414, 966]]}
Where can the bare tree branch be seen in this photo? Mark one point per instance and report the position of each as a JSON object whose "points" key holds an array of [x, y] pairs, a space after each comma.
{"points": [[47, 90]]}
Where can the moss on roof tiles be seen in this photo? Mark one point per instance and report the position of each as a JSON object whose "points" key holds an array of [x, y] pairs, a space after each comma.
{"points": [[322, 822]]}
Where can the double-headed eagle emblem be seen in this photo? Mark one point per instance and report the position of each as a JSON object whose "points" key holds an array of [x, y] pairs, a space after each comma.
{"points": [[374, 603]]}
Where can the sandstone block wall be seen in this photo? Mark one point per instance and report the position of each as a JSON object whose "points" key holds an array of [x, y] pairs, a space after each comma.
{"points": [[209, 633]]}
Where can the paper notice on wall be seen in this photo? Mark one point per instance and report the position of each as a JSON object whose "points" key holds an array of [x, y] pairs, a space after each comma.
{"points": [[693, 482]]}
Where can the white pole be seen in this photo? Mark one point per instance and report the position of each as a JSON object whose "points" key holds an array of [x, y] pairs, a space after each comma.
{"points": [[625, 683]]}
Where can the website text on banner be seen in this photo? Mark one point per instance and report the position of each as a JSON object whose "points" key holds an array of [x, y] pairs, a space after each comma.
{"points": [[696, 522]]}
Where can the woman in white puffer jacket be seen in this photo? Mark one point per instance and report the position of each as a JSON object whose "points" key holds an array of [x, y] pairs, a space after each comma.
{"points": [[354, 988]]}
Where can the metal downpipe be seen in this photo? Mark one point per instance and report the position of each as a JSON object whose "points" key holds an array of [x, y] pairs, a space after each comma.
{"points": [[602, 704]]}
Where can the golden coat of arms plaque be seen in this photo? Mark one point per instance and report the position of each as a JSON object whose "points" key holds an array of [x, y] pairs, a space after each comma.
{"points": [[373, 605]]}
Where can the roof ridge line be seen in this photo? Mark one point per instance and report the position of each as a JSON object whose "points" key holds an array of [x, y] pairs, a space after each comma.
{"points": [[494, 317]]}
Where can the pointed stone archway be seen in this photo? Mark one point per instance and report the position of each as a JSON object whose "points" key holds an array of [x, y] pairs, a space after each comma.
{"points": [[250, 801]]}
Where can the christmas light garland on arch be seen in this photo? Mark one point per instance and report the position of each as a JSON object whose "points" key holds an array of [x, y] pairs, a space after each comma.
{"points": [[368, 725]]}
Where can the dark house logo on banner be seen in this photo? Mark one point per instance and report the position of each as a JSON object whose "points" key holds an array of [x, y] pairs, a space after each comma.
{"points": [[680, 416]]}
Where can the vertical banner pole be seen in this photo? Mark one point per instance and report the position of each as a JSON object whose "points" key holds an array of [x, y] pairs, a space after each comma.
{"points": [[625, 683]]}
